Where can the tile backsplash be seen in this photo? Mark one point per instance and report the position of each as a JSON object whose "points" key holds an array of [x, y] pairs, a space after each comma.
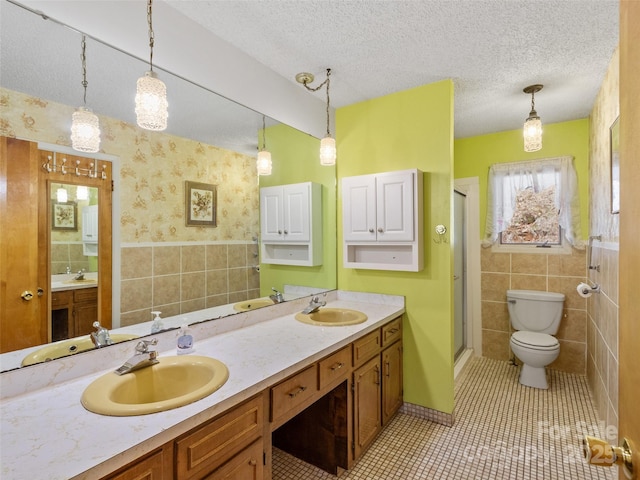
{"points": [[535, 271], [182, 278]]}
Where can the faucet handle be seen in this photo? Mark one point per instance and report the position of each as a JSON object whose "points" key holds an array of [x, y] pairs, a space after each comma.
{"points": [[143, 345]]}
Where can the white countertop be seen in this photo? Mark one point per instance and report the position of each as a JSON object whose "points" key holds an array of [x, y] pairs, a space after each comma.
{"points": [[48, 430]]}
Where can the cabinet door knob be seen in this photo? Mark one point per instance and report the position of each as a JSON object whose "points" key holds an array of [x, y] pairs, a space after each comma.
{"points": [[371, 230], [380, 229], [27, 295], [286, 232], [253, 462], [279, 232]]}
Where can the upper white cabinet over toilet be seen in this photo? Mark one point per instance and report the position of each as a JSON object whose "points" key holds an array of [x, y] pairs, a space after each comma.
{"points": [[382, 221], [291, 224]]}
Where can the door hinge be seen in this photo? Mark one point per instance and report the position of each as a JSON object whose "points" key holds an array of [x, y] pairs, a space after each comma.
{"points": [[353, 445], [353, 387], [112, 185]]}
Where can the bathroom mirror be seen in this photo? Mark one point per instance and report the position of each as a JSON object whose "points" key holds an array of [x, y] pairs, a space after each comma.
{"points": [[44, 78]]}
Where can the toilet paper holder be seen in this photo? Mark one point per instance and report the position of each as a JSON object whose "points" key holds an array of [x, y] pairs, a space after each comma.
{"points": [[588, 288]]}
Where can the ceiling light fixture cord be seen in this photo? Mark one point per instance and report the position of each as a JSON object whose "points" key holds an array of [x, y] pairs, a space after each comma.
{"points": [[328, 83], [151, 35], [83, 58], [264, 134], [533, 103]]}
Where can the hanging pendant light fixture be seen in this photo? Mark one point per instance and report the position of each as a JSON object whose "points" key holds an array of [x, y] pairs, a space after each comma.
{"points": [[263, 163], [85, 126], [328, 143], [532, 130], [151, 92]]}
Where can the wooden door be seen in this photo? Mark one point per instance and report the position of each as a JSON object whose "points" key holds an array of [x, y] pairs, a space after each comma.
{"points": [[367, 408], [23, 248], [391, 381], [629, 314]]}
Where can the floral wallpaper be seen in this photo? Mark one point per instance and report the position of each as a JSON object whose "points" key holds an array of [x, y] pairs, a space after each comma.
{"points": [[153, 169]]}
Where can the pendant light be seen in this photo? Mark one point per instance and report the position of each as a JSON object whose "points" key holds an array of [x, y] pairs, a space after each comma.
{"points": [[328, 143], [151, 92], [532, 130], [263, 163], [85, 126]]}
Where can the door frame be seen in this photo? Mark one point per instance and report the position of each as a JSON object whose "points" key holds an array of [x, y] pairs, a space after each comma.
{"points": [[470, 188]]}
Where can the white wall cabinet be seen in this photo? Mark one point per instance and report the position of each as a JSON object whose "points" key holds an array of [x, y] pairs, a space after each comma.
{"points": [[291, 224], [382, 221]]}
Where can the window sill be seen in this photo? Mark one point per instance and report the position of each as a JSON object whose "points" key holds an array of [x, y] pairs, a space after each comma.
{"points": [[532, 249]]}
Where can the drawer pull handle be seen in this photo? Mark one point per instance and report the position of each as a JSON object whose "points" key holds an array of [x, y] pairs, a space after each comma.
{"points": [[393, 330], [253, 462], [337, 366], [296, 392], [388, 368]]}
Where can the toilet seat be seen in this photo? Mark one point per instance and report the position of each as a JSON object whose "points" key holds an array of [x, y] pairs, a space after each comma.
{"points": [[535, 340]]}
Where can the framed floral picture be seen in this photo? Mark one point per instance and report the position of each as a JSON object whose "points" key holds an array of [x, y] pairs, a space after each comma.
{"points": [[200, 204], [614, 135], [64, 216]]}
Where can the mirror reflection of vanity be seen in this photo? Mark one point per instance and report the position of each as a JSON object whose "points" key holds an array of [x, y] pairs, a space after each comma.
{"points": [[156, 262]]}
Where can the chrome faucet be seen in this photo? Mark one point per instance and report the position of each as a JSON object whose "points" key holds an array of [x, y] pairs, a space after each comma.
{"points": [[100, 337], [314, 305], [276, 297], [79, 275], [143, 357]]}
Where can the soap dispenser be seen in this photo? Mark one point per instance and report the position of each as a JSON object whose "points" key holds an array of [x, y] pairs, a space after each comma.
{"points": [[185, 341], [157, 325]]}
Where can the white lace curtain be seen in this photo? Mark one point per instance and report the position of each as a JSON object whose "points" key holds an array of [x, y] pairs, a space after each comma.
{"points": [[506, 179]]}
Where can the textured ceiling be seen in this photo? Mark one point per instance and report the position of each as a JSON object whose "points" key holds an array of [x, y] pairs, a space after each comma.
{"points": [[491, 49]]}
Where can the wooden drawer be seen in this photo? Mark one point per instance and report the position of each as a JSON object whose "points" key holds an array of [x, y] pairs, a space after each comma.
{"points": [[85, 295], [61, 298], [293, 391], [247, 465], [334, 366], [206, 448], [366, 347], [392, 331]]}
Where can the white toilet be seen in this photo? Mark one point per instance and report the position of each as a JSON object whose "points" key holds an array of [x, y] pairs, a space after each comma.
{"points": [[536, 317]]}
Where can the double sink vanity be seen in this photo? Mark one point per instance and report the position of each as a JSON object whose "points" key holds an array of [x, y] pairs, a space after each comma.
{"points": [[319, 388]]}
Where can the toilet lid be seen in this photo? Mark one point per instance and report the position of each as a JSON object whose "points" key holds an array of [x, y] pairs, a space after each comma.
{"points": [[535, 339]]}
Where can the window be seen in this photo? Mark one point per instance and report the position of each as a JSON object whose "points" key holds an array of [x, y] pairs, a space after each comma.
{"points": [[533, 203]]}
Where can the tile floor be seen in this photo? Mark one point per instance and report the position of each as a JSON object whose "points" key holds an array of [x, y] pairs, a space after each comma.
{"points": [[503, 430]]}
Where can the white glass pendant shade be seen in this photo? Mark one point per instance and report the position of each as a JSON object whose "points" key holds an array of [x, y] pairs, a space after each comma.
{"points": [[151, 103], [61, 195], [532, 132], [263, 163], [85, 131], [327, 151], [82, 192]]}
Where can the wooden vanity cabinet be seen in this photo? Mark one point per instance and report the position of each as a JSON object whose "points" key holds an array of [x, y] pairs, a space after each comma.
{"points": [[391, 381], [73, 312], [229, 438], [155, 466], [85, 310], [367, 397]]}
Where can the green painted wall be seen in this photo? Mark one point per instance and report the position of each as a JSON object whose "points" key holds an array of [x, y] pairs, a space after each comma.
{"points": [[410, 129], [295, 158], [474, 155]]}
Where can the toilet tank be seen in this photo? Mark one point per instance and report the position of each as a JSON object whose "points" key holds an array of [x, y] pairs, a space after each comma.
{"points": [[535, 311]]}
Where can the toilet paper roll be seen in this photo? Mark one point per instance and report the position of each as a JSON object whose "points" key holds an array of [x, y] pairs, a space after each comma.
{"points": [[584, 290]]}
